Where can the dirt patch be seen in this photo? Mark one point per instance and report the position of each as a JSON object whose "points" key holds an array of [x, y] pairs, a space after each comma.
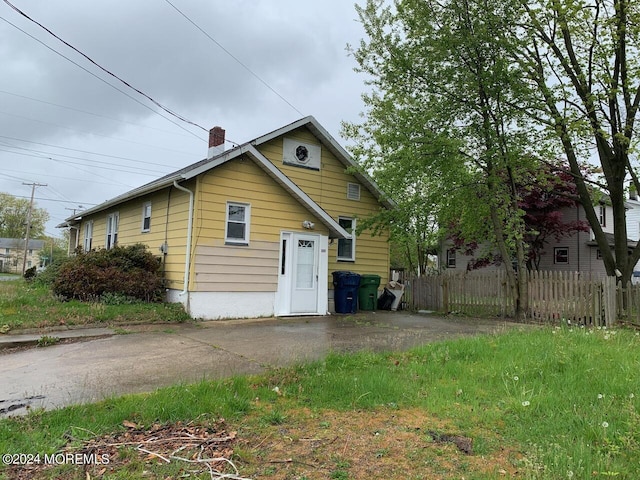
{"points": [[303, 445], [396, 444]]}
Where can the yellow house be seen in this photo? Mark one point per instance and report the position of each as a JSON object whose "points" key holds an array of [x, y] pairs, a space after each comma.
{"points": [[253, 231]]}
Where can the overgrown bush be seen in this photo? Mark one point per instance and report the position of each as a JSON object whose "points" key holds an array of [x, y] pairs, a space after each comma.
{"points": [[49, 274], [130, 271]]}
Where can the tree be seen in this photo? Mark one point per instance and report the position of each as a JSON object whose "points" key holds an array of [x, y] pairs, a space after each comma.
{"points": [[13, 218], [444, 110], [543, 199], [543, 207], [581, 60]]}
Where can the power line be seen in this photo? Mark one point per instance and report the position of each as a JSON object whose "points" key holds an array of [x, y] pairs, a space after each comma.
{"points": [[45, 155], [86, 112], [82, 151], [94, 75], [255, 75], [54, 200]]}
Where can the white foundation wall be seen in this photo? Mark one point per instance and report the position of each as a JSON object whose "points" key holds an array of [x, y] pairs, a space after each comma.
{"points": [[219, 305]]}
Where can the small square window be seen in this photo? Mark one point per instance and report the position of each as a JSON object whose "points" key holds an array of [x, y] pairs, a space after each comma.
{"points": [[237, 224], [146, 217], [451, 258], [347, 246], [561, 256]]}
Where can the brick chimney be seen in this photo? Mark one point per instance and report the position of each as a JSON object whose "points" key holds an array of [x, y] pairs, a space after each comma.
{"points": [[216, 142]]}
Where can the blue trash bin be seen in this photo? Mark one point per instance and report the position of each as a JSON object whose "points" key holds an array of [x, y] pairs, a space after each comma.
{"points": [[345, 291]]}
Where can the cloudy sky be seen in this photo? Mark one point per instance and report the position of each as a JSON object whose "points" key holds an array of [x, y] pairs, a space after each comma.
{"points": [[250, 66]]}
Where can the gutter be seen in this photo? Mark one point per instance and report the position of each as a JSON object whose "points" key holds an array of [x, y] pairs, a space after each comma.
{"points": [[187, 261]]}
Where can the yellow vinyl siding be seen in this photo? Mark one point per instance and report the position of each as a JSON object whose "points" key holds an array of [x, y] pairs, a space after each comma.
{"points": [[328, 188], [254, 267], [130, 229], [237, 269]]}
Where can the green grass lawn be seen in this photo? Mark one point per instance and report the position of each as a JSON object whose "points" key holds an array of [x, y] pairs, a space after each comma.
{"points": [[30, 305], [548, 403]]}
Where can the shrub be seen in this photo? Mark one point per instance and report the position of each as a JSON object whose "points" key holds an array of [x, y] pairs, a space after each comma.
{"points": [[130, 271], [49, 274]]}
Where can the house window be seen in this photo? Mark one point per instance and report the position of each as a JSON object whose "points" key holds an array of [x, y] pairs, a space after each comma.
{"points": [[353, 191], [451, 258], [347, 246], [88, 236], [112, 230], [561, 255], [598, 254], [602, 215], [146, 217], [7, 251], [237, 228]]}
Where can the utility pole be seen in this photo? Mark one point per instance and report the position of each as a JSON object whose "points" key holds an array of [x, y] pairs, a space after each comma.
{"points": [[26, 239]]}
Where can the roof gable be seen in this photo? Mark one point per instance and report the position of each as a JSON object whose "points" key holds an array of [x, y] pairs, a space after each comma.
{"points": [[250, 149]]}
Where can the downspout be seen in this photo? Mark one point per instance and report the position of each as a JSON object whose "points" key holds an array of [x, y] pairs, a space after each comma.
{"points": [[187, 261]]}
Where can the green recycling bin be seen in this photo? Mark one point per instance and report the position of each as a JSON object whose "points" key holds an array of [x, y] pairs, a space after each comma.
{"points": [[368, 291]]}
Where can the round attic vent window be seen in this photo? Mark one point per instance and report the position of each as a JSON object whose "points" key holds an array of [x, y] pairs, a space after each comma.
{"points": [[302, 154]]}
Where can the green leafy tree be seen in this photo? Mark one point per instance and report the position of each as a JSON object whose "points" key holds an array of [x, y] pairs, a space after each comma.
{"points": [[443, 118], [581, 59], [13, 218]]}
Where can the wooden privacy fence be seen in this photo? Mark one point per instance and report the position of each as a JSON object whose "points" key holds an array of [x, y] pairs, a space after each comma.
{"points": [[553, 296]]}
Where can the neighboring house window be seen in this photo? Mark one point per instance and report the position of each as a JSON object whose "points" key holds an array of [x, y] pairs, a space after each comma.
{"points": [[112, 230], [30, 252], [598, 254], [602, 215], [353, 191], [347, 246], [88, 236], [237, 229], [7, 251], [561, 255], [146, 217], [451, 258]]}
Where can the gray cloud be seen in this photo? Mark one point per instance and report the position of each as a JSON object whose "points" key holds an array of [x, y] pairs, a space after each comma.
{"points": [[298, 48]]}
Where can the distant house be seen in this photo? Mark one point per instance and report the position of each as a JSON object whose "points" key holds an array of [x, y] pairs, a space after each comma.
{"points": [[574, 253], [253, 231], [12, 254]]}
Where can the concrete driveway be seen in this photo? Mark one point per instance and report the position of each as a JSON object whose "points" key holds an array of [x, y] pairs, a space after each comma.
{"points": [[157, 356]]}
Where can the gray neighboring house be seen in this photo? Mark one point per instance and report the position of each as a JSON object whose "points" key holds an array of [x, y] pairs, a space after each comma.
{"points": [[12, 254], [574, 253]]}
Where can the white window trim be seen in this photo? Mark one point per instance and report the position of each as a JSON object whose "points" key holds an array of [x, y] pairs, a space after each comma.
{"points": [[602, 216], [555, 256], [88, 236], [247, 223], [144, 216], [115, 221], [451, 258], [352, 258]]}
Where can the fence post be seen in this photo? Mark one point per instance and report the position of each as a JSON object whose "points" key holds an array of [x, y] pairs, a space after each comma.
{"points": [[445, 294], [610, 300]]}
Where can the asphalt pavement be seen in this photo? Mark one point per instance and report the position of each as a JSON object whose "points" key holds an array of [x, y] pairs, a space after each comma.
{"points": [[93, 364]]}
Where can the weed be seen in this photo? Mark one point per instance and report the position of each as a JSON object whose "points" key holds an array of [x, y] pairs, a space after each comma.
{"points": [[274, 417], [47, 341]]}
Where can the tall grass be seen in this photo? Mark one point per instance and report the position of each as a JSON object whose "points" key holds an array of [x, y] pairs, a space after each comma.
{"points": [[565, 399]]}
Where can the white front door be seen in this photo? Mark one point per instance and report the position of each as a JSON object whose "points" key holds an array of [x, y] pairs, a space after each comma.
{"points": [[304, 282], [303, 259]]}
